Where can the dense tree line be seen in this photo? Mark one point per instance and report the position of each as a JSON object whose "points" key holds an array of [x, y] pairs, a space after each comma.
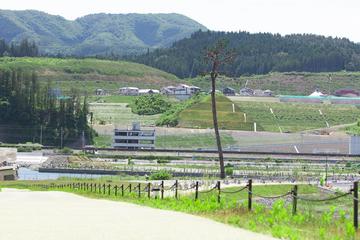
{"points": [[25, 48], [35, 110], [259, 53]]}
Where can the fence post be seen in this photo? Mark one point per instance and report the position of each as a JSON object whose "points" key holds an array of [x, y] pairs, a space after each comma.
{"points": [[250, 194], [356, 205], [139, 192], [294, 200], [162, 189], [130, 188], [196, 190], [104, 186], [91, 187], [99, 188], [122, 190], [219, 191], [109, 189], [116, 190], [176, 189], [95, 190], [87, 187], [149, 189]]}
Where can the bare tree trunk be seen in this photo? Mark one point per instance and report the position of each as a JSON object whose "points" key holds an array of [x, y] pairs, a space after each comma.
{"points": [[216, 127]]}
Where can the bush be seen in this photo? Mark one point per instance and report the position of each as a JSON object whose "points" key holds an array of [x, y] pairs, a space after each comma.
{"points": [[150, 105], [163, 161], [171, 116], [66, 150], [161, 175], [229, 171]]}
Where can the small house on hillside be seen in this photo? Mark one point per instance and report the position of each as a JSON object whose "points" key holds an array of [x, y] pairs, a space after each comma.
{"points": [[100, 92], [129, 91], [246, 91], [267, 93], [228, 91], [347, 93], [148, 91], [181, 92]]}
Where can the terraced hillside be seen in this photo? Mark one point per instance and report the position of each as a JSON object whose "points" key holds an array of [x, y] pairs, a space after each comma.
{"points": [[90, 74], [292, 117], [229, 116]]}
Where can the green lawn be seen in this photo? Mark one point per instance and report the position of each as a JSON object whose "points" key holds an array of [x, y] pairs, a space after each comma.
{"points": [[193, 141]]}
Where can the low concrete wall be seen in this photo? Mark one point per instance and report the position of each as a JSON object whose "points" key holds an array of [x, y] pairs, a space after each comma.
{"points": [[8, 155], [8, 174]]}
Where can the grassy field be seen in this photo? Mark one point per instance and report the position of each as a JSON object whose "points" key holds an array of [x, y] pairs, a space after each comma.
{"points": [[111, 99], [119, 114], [200, 115], [90, 74], [177, 141], [298, 116], [312, 221]]}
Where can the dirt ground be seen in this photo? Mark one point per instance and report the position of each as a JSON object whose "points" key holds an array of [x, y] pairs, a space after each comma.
{"points": [[29, 215]]}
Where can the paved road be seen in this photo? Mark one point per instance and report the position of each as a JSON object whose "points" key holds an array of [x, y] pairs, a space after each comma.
{"points": [[58, 216]]}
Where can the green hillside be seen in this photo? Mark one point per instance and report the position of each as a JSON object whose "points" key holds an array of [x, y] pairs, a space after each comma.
{"points": [[200, 115], [290, 117], [90, 74], [293, 117], [96, 34], [291, 83]]}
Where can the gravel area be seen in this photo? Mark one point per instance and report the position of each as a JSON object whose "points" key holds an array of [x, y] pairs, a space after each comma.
{"points": [[57, 216]]}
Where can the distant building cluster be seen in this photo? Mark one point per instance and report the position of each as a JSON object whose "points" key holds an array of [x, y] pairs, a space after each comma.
{"points": [[255, 92], [181, 91]]}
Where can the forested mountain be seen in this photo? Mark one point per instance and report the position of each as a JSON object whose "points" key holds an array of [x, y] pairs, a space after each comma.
{"points": [[259, 53], [95, 34]]}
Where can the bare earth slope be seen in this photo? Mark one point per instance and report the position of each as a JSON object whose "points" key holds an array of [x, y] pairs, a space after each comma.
{"points": [[58, 216]]}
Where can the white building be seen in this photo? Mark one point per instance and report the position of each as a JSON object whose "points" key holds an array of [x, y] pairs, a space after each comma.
{"points": [[134, 138], [148, 91], [181, 92], [129, 91]]}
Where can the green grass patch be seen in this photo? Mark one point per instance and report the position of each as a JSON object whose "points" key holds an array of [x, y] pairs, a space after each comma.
{"points": [[199, 115], [295, 117], [193, 141]]}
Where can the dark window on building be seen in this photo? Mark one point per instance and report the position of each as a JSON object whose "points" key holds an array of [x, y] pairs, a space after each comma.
{"points": [[120, 133]]}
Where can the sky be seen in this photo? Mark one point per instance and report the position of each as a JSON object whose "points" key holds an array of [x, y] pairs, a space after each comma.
{"points": [[337, 18]]}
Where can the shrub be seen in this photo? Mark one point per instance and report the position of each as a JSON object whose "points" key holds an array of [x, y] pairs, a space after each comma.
{"points": [[150, 105], [229, 171], [171, 116], [163, 161], [66, 150], [161, 175]]}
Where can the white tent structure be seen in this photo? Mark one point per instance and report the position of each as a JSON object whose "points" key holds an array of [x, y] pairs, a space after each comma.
{"points": [[317, 93]]}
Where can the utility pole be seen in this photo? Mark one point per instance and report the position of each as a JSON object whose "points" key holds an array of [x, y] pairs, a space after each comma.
{"points": [[61, 138], [41, 134], [83, 139], [326, 170]]}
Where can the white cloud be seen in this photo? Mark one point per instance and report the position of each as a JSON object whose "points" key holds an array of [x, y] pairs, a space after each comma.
{"points": [[326, 17]]}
